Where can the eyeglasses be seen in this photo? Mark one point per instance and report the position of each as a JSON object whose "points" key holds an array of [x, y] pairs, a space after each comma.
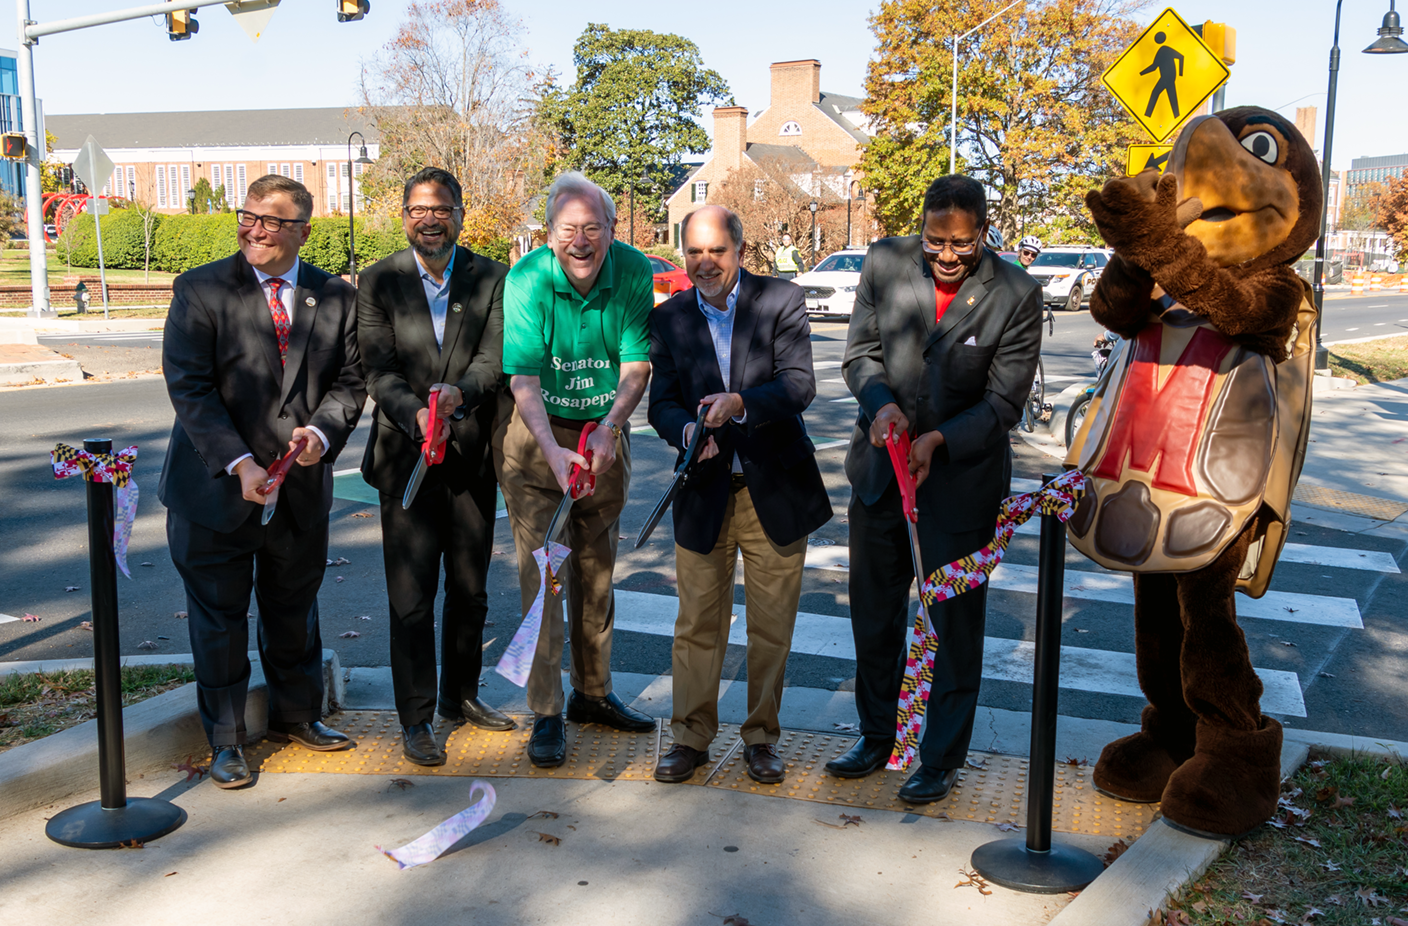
{"points": [[271, 223], [440, 212], [959, 248], [566, 233]]}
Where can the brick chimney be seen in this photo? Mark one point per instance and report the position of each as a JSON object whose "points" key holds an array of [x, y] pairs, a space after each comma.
{"points": [[796, 82], [730, 136], [1305, 121]]}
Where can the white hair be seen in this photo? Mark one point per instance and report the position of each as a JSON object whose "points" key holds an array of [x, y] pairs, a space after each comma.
{"points": [[575, 183]]}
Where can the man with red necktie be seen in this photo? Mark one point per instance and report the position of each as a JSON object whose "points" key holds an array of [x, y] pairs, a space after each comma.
{"points": [[259, 353]]}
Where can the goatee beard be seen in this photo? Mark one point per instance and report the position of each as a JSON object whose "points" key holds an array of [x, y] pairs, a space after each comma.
{"points": [[433, 253]]}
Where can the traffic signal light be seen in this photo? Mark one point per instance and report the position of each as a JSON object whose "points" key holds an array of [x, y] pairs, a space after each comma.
{"points": [[181, 25], [349, 11], [12, 146]]}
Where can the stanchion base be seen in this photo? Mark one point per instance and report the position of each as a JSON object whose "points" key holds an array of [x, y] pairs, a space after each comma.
{"points": [[1009, 863], [90, 826]]}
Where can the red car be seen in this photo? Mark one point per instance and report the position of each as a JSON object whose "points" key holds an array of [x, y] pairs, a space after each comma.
{"points": [[669, 279]]}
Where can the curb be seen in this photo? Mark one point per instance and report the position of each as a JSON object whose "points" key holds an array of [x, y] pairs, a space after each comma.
{"points": [[156, 732], [18, 374]]}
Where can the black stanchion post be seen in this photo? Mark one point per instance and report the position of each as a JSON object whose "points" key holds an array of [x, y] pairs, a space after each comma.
{"points": [[114, 819], [1036, 865]]}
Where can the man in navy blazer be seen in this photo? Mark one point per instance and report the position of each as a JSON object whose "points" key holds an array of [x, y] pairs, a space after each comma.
{"points": [[259, 352], [740, 344]]}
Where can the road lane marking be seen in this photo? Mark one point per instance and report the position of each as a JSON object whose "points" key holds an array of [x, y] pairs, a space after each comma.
{"points": [[1006, 660]]}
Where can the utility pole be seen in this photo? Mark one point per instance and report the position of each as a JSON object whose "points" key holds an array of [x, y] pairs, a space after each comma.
{"points": [[33, 180]]}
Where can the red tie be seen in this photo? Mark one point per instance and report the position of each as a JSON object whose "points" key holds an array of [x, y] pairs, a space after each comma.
{"points": [[280, 316]]}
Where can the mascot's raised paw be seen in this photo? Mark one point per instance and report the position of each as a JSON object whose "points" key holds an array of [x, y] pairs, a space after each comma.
{"points": [[1135, 214]]}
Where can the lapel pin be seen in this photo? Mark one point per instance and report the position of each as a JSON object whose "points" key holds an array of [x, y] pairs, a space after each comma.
{"points": [[455, 307], [310, 302], [972, 299]]}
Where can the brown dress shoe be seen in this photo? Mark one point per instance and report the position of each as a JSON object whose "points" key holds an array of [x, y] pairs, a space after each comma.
{"points": [[764, 764], [679, 763]]}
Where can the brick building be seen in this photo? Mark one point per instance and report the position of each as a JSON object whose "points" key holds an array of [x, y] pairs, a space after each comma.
{"points": [[159, 156], [811, 136]]}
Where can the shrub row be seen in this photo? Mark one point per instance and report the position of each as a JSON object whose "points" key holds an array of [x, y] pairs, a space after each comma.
{"points": [[180, 242]]}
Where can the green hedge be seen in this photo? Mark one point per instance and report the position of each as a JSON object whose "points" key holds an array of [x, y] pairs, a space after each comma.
{"points": [[180, 242]]}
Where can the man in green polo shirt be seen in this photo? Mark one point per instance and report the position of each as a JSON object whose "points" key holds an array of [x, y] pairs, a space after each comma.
{"points": [[576, 350]]}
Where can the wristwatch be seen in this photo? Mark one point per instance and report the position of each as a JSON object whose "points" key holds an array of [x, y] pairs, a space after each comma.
{"points": [[611, 426]]}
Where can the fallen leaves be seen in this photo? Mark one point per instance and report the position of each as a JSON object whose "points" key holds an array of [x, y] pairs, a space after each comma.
{"points": [[403, 783], [545, 814], [132, 844], [978, 764], [846, 820], [1252, 898], [147, 564], [337, 578], [549, 838], [1007, 826], [85, 625], [147, 644], [1114, 852], [1074, 762], [340, 561], [1370, 897], [72, 588], [180, 615], [1309, 841], [169, 873], [349, 635], [34, 619], [734, 919], [191, 769], [362, 617], [973, 879], [362, 514], [847, 727]]}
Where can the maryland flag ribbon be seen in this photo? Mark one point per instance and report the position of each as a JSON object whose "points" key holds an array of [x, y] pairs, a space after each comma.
{"points": [[115, 468], [517, 660], [1057, 497]]}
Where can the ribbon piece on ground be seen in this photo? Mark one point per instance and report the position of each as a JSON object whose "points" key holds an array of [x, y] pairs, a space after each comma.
{"points": [[115, 468], [1057, 497], [434, 843], [517, 660]]}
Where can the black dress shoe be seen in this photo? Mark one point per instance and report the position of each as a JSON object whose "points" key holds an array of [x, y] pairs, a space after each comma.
{"points": [[928, 785], [860, 760], [418, 744], [609, 711], [680, 763], [475, 711], [228, 769], [547, 747], [313, 735]]}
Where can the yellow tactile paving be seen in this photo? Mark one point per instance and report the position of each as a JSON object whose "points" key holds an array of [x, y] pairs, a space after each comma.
{"points": [[992, 789], [1367, 506]]}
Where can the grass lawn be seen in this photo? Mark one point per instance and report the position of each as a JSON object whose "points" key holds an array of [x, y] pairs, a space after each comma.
{"points": [[1336, 854], [35, 705], [14, 271], [1371, 361]]}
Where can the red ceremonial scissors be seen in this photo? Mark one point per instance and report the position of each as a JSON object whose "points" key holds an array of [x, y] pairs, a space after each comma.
{"points": [[431, 452], [277, 472], [580, 482]]}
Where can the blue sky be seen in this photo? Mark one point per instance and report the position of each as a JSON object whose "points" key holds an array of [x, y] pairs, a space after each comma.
{"points": [[307, 59]]}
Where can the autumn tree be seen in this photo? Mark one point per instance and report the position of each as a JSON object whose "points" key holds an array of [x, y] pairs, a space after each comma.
{"points": [[633, 111], [1034, 122], [453, 89], [772, 196]]}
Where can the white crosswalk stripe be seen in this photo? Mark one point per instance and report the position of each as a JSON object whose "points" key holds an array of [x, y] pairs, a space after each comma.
{"points": [[105, 336], [1007, 660]]}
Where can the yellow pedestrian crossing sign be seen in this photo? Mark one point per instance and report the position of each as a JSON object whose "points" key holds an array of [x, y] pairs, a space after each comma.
{"points": [[1143, 157], [1165, 75]]}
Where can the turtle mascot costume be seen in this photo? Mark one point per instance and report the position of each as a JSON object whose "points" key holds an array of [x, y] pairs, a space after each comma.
{"points": [[1193, 445]]}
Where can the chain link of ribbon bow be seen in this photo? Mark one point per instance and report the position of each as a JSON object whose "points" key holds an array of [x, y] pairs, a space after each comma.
{"points": [[1057, 497], [115, 468]]}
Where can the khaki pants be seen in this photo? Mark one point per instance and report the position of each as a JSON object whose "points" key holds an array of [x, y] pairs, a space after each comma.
{"points": [[772, 584], [531, 495]]}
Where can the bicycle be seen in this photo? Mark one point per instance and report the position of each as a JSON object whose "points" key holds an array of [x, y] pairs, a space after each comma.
{"points": [[1036, 398]]}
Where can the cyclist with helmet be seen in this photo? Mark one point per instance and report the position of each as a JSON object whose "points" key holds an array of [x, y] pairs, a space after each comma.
{"points": [[1028, 250]]}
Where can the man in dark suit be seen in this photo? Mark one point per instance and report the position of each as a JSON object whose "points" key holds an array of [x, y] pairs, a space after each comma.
{"points": [[943, 342], [430, 320], [740, 344], [259, 352]]}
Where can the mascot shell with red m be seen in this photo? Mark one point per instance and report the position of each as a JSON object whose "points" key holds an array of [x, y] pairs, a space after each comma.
{"points": [[1193, 445]]}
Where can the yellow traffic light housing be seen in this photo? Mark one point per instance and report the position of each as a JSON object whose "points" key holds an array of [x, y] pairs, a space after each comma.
{"points": [[349, 11], [1222, 39], [12, 146], [181, 25]]}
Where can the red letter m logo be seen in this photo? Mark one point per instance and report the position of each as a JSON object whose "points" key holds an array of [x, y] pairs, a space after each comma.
{"points": [[1162, 424]]}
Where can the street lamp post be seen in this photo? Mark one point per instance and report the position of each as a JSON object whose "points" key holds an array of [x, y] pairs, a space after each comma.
{"points": [[1388, 43], [352, 202], [850, 191], [191, 201], [953, 102], [815, 244]]}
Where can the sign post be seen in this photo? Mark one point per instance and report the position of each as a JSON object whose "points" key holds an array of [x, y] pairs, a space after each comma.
{"points": [[94, 168]]}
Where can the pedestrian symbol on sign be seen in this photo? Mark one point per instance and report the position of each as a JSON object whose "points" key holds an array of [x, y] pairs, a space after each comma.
{"points": [[1166, 62], [1165, 75]]}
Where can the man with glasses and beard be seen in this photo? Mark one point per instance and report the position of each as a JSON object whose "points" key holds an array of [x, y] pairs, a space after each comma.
{"points": [[943, 343], [259, 353], [577, 351], [430, 321]]}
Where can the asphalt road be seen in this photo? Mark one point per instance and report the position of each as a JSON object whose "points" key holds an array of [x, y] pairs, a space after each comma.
{"points": [[1327, 676]]}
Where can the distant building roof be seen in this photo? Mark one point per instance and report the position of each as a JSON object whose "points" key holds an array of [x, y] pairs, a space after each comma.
{"points": [[836, 106], [211, 128], [1388, 160]]}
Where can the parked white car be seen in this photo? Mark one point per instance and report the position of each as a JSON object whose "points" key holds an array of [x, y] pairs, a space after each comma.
{"points": [[1067, 274], [830, 286]]}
